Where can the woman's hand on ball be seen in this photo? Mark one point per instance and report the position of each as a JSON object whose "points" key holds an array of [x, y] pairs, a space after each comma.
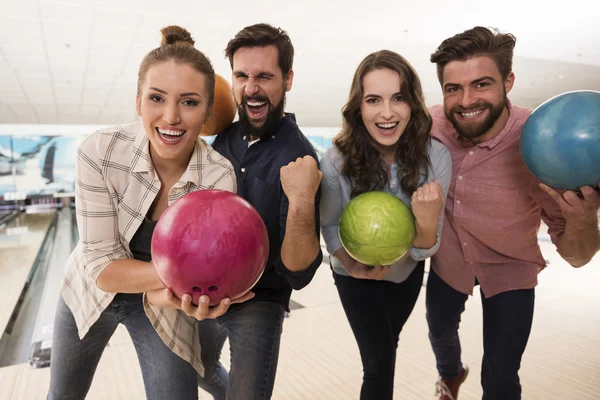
{"points": [[361, 271], [166, 299], [205, 311]]}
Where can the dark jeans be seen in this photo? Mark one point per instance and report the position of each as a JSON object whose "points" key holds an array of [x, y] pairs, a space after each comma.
{"points": [[74, 361], [507, 320], [377, 311], [254, 330]]}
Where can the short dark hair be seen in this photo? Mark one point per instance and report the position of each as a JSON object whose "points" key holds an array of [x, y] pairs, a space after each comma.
{"points": [[478, 41], [262, 35]]}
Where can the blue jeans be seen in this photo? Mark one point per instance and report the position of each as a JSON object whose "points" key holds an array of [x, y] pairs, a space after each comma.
{"points": [[507, 320], [377, 312], [254, 330], [74, 361]]}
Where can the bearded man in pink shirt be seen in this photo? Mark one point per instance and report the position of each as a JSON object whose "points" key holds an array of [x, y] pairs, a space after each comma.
{"points": [[492, 215]]}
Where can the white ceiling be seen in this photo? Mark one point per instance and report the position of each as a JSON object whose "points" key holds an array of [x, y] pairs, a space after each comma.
{"points": [[76, 61]]}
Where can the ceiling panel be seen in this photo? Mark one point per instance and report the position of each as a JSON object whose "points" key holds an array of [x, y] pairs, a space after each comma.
{"points": [[95, 98], [85, 54], [43, 98], [48, 116], [25, 112], [21, 57], [19, 29], [6, 113]]}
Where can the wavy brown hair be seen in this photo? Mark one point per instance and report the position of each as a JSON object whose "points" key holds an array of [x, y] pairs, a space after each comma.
{"points": [[363, 165]]}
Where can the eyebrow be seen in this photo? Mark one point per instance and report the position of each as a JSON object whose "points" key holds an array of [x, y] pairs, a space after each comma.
{"points": [[260, 74], [378, 96], [182, 94], [483, 78], [475, 82]]}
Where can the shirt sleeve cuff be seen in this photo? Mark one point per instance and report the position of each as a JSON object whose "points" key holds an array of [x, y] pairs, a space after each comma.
{"points": [[332, 239], [299, 279], [423, 254]]}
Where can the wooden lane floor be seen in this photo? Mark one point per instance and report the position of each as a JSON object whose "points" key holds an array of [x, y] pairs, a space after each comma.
{"points": [[20, 242], [319, 358]]}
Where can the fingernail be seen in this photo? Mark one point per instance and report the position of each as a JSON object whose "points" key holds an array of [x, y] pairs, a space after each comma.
{"points": [[227, 301], [203, 299], [186, 298]]}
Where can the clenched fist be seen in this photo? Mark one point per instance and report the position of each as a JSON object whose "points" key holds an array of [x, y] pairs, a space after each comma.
{"points": [[300, 179], [427, 202]]}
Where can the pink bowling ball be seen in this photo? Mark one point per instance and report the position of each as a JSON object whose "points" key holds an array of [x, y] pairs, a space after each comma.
{"points": [[210, 242]]}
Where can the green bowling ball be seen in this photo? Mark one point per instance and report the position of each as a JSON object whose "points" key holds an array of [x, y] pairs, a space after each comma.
{"points": [[376, 228]]}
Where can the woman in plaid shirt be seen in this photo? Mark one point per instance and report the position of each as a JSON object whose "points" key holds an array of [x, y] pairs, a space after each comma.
{"points": [[126, 176]]}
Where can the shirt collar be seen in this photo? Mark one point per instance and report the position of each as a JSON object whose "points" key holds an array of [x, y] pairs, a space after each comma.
{"points": [[288, 120], [140, 161], [505, 131], [193, 172]]}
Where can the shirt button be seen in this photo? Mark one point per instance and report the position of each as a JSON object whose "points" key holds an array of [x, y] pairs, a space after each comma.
{"points": [[457, 201], [244, 137], [460, 177], [464, 243], [470, 153], [273, 137], [243, 169]]}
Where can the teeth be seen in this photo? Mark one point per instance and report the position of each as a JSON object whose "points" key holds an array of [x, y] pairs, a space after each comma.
{"points": [[471, 114], [256, 103], [170, 132], [388, 125]]}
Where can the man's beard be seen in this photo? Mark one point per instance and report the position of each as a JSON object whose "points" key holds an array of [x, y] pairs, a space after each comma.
{"points": [[270, 125], [469, 131]]}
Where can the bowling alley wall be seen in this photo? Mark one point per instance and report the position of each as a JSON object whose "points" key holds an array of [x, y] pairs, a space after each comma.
{"points": [[39, 160]]}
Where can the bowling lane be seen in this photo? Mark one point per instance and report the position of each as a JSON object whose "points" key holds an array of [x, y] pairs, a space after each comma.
{"points": [[20, 242]]}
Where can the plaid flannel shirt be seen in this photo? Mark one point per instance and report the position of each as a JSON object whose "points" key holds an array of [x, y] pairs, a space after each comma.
{"points": [[115, 187]]}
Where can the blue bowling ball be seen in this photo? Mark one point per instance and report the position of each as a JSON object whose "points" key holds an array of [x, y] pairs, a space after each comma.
{"points": [[560, 142]]}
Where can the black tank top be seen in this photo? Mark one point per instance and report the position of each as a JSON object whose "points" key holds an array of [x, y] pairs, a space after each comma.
{"points": [[141, 241]]}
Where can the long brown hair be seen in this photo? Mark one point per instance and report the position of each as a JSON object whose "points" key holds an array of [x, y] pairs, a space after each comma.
{"points": [[363, 165], [177, 45]]}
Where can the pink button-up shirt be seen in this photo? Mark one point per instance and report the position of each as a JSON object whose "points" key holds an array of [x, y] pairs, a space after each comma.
{"points": [[493, 212]]}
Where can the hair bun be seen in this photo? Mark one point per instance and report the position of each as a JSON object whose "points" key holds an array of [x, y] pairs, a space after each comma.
{"points": [[175, 35]]}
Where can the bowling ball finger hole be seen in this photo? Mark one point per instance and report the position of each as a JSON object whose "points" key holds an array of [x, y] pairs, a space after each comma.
{"points": [[211, 289]]}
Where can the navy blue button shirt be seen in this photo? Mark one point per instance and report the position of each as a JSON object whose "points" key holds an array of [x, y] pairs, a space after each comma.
{"points": [[257, 171]]}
